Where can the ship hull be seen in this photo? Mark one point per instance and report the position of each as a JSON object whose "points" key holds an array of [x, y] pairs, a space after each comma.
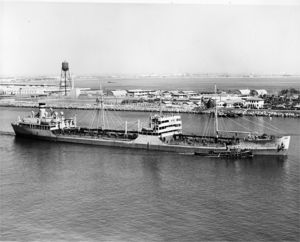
{"points": [[142, 142]]}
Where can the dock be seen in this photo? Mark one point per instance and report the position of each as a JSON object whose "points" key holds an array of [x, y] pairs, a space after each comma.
{"points": [[79, 105]]}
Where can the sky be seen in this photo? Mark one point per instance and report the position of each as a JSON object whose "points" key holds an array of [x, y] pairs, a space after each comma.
{"points": [[131, 38]]}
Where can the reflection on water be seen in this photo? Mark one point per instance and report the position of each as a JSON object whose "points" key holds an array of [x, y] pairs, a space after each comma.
{"points": [[55, 191], [151, 170]]}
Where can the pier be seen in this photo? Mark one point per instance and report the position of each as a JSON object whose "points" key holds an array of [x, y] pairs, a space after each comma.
{"points": [[231, 113]]}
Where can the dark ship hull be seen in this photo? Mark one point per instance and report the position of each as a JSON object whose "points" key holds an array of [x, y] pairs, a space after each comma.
{"points": [[276, 147]]}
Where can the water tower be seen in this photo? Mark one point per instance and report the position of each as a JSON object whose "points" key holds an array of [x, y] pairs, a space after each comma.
{"points": [[65, 79]]}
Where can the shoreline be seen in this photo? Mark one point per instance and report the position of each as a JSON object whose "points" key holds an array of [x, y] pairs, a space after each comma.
{"points": [[135, 108]]}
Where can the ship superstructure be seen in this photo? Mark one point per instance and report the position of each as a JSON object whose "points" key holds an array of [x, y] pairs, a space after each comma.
{"points": [[164, 126], [42, 121]]}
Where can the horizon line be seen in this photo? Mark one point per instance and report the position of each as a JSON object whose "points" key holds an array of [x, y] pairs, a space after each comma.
{"points": [[149, 75]]}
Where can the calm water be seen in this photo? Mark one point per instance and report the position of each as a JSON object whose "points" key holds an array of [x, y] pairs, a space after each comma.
{"points": [[272, 85], [53, 191]]}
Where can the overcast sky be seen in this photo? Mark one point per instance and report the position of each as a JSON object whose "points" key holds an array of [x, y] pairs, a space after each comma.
{"points": [[99, 38]]}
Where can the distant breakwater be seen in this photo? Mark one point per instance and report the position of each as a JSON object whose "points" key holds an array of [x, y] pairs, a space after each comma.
{"points": [[136, 108]]}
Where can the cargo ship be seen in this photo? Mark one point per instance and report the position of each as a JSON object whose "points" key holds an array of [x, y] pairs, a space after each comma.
{"points": [[163, 133]]}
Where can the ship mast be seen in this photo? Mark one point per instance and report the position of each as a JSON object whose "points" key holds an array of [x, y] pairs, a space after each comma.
{"points": [[216, 113], [160, 108], [102, 107]]}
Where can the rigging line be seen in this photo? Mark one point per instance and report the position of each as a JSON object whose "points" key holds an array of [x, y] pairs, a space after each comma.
{"points": [[132, 122], [94, 117], [97, 119], [143, 124], [114, 113], [225, 126], [93, 120], [100, 118], [263, 126], [110, 116], [188, 123], [134, 126], [212, 125], [91, 123], [120, 125], [224, 123], [105, 120], [88, 116], [72, 113], [208, 125], [117, 120], [240, 125], [79, 117], [203, 127], [221, 123], [108, 126], [110, 120], [207, 128], [268, 123], [103, 115], [199, 125], [76, 114]]}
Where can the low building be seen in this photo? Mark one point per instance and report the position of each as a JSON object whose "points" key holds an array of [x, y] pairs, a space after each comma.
{"points": [[179, 95], [141, 93], [196, 98], [118, 93], [253, 102], [230, 104], [23, 90], [189, 93], [136, 93], [167, 103], [220, 104], [166, 95], [245, 91], [261, 92]]}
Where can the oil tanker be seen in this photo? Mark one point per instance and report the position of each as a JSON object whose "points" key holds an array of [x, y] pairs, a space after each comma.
{"points": [[163, 133]]}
